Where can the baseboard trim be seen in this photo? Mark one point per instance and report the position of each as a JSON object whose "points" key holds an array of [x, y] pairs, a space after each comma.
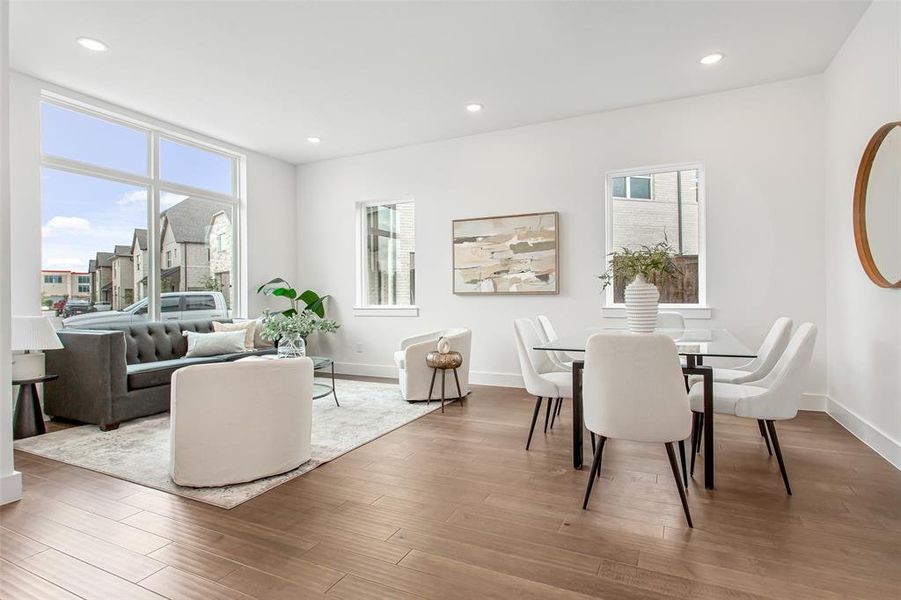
{"points": [[882, 443], [10, 488]]}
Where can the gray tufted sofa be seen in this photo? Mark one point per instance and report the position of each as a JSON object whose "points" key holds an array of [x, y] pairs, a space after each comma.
{"points": [[121, 372]]}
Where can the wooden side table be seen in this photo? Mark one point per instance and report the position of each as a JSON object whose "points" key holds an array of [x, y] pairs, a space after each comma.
{"points": [[28, 419], [443, 362]]}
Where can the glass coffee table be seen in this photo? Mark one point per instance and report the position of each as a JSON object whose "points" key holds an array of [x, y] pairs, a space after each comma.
{"points": [[321, 390]]}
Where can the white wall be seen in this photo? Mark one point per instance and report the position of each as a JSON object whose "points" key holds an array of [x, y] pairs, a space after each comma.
{"points": [[762, 148], [10, 479], [269, 213], [862, 92]]}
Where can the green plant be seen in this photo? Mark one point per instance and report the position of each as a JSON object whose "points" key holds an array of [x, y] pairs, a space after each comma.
{"points": [[654, 262], [302, 324], [306, 301]]}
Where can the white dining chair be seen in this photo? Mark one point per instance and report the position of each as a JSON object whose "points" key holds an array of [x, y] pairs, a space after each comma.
{"points": [[670, 320], [775, 397], [632, 389], [548, 334], [540, 376]]}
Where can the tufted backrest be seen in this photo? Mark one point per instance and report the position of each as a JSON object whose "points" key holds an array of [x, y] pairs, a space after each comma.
{"points": [[152, 341]]}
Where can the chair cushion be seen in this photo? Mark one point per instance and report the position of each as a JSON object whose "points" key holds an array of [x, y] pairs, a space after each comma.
{"points": [[562, 381], [153, 374], [399, 358], [726, 396]]}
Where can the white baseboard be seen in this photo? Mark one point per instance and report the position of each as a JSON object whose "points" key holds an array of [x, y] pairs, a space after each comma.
{"points": [[10, 488], [882, 443]]}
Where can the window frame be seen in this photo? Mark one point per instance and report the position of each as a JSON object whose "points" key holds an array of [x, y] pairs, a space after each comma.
{"points": [[701, 310], [156, 187], [362, 308]]}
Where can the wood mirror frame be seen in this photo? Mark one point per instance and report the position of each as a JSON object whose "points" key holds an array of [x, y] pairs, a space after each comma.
{"points": [[860, 207]]}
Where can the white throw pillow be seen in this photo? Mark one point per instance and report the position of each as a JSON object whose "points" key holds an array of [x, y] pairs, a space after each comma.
{"points": [[248, 327], [213, 344]]}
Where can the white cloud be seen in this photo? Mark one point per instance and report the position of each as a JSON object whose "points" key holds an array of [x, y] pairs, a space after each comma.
{"points": [[132, 197], [65, 225]]}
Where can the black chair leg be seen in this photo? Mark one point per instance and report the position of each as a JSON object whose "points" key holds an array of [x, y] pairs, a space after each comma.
{"points": [[595, 470], [766, 438], [534, 419], [695, 428], [771, 427], [593, 447], [672, 463], [700, 433], [682, 457], [547, 414], [554, 412], [457, 380], [559, 407], [432, 385]]}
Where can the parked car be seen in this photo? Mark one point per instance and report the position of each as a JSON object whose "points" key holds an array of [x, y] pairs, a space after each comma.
{"points": [[76, 306], [175, 306], [102, 306]]}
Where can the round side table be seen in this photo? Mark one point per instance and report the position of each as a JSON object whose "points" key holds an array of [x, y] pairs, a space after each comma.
{"points": [[444, 362], [28, 419]]}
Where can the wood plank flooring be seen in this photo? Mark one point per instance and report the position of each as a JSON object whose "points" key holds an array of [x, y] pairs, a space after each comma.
{"points": [[452, 506]]}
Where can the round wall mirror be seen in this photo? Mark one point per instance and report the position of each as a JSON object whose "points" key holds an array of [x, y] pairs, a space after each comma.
{"points": [[877, 207]]}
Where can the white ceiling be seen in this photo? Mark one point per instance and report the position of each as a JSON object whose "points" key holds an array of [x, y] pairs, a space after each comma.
{"points": [[374, 75]]}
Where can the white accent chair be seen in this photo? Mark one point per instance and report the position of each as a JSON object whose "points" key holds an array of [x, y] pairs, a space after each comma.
{"points": [[239, 421], [776, 397], [670, 320], [768, 354], [632, 389], [413, 373], [541, 377]]}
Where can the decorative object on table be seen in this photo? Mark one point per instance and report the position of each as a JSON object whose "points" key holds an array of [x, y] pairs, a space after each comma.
{"points": [[414, 375], [28, 419], [877, 207], [291, 346], [514, 254], [644, 266], [290, 333], [31, 335], [444, 360]]}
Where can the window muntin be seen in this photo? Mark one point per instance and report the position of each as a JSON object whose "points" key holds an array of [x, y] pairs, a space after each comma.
{"points": [[69, 157], [195, 167], [78, 136], [389, 254], [645, 207]]}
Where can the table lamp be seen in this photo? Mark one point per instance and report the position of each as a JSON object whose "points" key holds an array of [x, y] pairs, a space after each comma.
{"points": [[31, 335]]}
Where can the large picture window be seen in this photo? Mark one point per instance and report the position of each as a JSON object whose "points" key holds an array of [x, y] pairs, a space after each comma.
{"points": [[647, 206], [131, 212], [388, 258]]}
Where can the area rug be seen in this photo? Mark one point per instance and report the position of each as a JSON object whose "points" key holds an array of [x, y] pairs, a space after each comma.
{"points": [[139, 450]]}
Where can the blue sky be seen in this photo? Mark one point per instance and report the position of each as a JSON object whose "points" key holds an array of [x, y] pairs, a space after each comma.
{"points": [[84, 215]]}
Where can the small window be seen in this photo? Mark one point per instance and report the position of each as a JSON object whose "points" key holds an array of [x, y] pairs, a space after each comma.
{"points": [[168, 258], [203, 169], [53, 278], [200, 303], [84, 279], [388, 244], [170, 304], [84, 289], [674, 216]]}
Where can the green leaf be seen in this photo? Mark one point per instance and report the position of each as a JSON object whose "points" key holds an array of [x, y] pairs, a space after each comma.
{"points": [[289, 293], [314, 302], [272, 282], [289, 313]]}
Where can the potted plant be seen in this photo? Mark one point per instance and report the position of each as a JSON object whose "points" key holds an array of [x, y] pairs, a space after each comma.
{"points": [[289, 329], [644, 267]]}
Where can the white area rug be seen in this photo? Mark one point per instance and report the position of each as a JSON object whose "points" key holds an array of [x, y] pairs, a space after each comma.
{"points": [[139, 450]]}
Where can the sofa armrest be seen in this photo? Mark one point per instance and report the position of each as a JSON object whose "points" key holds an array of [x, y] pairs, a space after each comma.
{"points": [[92, 376], [418, 339]]}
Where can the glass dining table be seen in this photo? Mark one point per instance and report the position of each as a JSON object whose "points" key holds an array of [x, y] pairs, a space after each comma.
{"points": [[694, 344]]}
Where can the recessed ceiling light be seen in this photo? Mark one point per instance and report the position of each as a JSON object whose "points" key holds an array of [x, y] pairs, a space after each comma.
{"points": [[92, 44], [474, 107], [712, 59], [314, 140]]}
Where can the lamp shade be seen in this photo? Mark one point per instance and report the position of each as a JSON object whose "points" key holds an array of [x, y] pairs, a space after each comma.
{"points": [[34, 333]]}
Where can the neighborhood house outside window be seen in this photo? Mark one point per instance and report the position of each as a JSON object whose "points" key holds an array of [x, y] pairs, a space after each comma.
{"points": [[645, 208], [389, 250], [96, 186]]}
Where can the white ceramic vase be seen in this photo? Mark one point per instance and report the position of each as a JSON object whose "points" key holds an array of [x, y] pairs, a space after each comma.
{"points": [[642, 299]]}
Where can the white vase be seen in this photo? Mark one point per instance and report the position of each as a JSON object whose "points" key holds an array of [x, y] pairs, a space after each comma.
{"points": [[642, 299]]}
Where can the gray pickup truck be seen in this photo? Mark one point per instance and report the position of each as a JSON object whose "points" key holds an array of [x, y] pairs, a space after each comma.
{"points": [[175, 306]]}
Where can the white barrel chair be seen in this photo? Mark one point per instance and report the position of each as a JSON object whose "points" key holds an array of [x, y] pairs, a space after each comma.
{"points": [[239, 421], [413, 373]]}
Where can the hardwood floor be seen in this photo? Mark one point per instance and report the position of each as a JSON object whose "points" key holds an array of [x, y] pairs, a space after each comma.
{"points": [[452, 506]]}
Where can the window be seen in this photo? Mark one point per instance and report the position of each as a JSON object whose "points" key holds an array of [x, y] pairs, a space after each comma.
{"points": [[170, 304], [648, 206], [387, 255], [84, 289], [97, 185], [53, 278], [200, 303], [84, 279]]}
